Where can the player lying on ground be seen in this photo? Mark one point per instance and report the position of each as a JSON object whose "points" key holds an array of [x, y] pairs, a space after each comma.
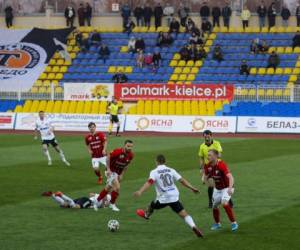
{"points": [[117, 163], [96, 144], [223, 179], [113, 110], [163, 178], [83, 202], [47, 135]]}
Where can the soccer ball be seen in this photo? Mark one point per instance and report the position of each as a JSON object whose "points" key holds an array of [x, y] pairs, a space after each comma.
{"points": [[113, 225]]}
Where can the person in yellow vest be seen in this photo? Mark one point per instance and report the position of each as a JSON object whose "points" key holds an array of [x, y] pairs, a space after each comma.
{"points": [[113, 110], [208, 144]]}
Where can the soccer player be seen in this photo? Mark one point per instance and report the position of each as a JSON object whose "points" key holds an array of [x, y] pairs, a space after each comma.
{"points": [[47, 135], [209, 143], [113, 110], [96, 144], [164, 179], [65, 201], [117, 163], [224, 182]]}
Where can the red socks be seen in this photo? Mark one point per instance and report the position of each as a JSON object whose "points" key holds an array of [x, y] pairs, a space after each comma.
{"points": [[229, 212], [114, 196], [216, 213], [97, 172], [102, 195]]}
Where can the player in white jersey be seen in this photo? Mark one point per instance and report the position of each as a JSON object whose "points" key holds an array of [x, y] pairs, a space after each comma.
{"points": [[167, 193], [48, 138]]}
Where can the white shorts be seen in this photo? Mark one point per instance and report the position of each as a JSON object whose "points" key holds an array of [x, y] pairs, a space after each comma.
{"points": [[111, 178], [97, 161], [221, 196]]}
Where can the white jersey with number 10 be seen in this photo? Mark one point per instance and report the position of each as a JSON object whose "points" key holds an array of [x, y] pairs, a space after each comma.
{"points": [[164, 180]]}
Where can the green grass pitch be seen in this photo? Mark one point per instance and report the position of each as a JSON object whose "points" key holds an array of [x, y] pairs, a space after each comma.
{"points": [[267, 197]]}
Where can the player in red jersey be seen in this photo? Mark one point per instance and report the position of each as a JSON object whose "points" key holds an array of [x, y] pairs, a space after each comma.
{"points": [[96, 144], [117, 163], [223, 179]]}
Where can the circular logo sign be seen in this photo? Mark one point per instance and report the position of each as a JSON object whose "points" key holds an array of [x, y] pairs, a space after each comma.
{"points": [[198, 124], [142, 123]]}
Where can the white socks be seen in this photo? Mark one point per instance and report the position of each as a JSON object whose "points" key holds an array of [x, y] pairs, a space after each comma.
{"points": [[68, 200], [58, 199], [189, 220], [46, 152]]}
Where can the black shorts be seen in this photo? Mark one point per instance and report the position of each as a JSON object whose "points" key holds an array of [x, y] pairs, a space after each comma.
{"points": [[114, 118], [52, 142], [176, 206]]}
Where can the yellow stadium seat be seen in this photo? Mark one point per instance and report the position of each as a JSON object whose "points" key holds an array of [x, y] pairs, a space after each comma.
{"points": [[182, 77], [181, 63], [194, 108], [49, 106], [287, 92], [176, 56], [186, 70], [296, 71], [95, 107], [191, 77], [253, 71], [124, 49], [281, 29], [171, 108], [298, 64], [65, 106], [79, 108], [280, 50], [212, 36], [278, 92], [152, 29], [63, 69], [177, 70], [224, 29], [198, 63], [59, 76], [87, 107], [279, 71], [194, 70], [48, 69], [190, 63], [174, 77], [52, 62], [187, 108], [252, 92], [209, 43], [288, 71], [72, 107], [46, 83], [218, 105], [103, 107], [112, 69], [120, 68], [269, 92], [261, 71], [51, 76], [163, 109], [59, 90], [140, 107], [155, 107], [43, 76], [173, 63], [128, 70], [60, 62], [261, 92], [132, 110], [27, 106], [34, 90], [148, 107], [42, 90], [297, 50], [18, 109], [178, 108], [179, 82], [216, 29], [293, 78], [288, 50], [34, 106], [42, 105]]}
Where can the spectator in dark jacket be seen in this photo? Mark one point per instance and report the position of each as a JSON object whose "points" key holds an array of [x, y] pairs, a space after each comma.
{"points": [[104, 52], [194, 39], [206, 27], [285, 14], [164, 39], [189, 25], [140, 44], [9, 16], [216, 13], [88, 13], [147, 15], [273, 60], [85, 45], [174, 26], [70, 15], [80, 13], [129, 26], [204, 11], [95, 38], [78, 38], [254, 46], [125, 13], [120, 77], [296, 40], [244, 68], [156, 58], [263, 47], [226, 14], [262, 13], [139, 15], [183, 14], [298, 14], [158, 14], [272, 15], [218, 54], [185, 53], [199, 53]]}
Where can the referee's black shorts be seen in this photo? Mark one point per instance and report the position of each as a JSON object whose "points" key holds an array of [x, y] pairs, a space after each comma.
{"points": [[176, 206], [114, 118]]}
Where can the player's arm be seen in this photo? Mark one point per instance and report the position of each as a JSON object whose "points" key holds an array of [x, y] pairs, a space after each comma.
{"points": [[104, 146], [144, 188], [220, 150], [188, 185], [36, 133], [122, 174], [108, 165], [231, 183], [89, 149]]}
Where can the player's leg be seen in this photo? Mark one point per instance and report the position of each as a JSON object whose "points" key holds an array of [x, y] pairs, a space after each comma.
{"points": [[228, 209], [179, 209], [59, 150], [111, 124], [210, 191], [217, 199], [154, 205], [46, 153], [95, 165], [118, 126], [115, 194], [105, 191], [66, 199]]}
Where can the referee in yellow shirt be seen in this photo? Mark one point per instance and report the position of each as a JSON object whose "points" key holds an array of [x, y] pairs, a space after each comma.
{"points": [[209, 143], [113, 110]]}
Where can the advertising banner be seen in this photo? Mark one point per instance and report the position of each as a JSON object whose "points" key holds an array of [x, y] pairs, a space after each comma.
{"points": [[133, 92], [7, 120], [158, 123]]}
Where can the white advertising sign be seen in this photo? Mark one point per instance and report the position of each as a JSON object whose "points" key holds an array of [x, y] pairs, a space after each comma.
{"points": [[252, 124], [88, 91], [7, 120], [158, 123], [67, 122]]}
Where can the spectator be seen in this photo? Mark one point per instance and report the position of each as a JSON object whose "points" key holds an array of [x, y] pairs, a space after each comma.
{"points": [[85, 45], [272, 15], [80, 13], [262, 13], [195, 39], [273, 60], [156, 59], [298, 14], [125, 13], [226, 14], [140, 44], [285, 14], [104, 52], [147, 15], [166, 40], [158, 14], [185, 53], [139, 15], [190, 25], [296, 40], [263, 47], [169, 12], [148, 59], [78, 38], [129, 26], [206, 27], [254, 46], [119, 77], [216, 13], [9, 16], [88, 13], [140, 58], [218, 54], [131, 45], [183, 14], [70, 15], [204, 11], [95, 38], [244, 68], [199, 53], [245, 16], [174, 26]]}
